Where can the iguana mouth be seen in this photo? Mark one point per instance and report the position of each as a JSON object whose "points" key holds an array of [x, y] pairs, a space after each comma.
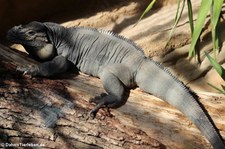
{"points": [[11, 36]]}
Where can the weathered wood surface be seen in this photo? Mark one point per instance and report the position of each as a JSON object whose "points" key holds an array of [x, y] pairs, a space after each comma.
{"points": [[52, 114], [29, 105]]}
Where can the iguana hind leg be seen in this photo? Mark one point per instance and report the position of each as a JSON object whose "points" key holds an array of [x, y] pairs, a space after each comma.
{"points": [[115, 86]]}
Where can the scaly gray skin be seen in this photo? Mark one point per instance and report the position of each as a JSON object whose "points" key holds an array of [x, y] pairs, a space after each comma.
{"points": [[117, 61]]}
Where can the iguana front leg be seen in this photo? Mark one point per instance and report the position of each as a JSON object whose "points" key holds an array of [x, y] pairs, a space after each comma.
{"points": [[58, 65]]}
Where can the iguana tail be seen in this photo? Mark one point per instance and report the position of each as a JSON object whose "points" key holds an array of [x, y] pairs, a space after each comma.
{"points": [[157, 80]]}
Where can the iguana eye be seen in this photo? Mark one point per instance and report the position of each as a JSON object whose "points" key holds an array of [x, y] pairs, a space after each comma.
{"points": [[31, 32]]}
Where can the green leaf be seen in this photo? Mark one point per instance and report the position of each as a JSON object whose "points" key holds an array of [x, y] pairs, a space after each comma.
{"points": [[177, 12], [217, 7], [190, 16], [202, 14], [146, 11], [223, 87], [177, 18], [215, 15], [215, 39], [220, 70], [220, 90]]}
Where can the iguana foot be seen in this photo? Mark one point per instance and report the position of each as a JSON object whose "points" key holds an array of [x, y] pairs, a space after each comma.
{"points": [[100, 103], [28, 69]]}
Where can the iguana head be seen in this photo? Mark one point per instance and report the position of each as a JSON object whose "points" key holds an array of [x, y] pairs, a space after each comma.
{"points": [[34, 38]]}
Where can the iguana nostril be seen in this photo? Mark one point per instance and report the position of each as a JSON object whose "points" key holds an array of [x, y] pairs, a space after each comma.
{"points": [[19, 27]]}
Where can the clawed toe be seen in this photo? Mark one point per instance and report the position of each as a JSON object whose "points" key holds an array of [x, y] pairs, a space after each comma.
{"points": [[92, 114], [27, 70]]}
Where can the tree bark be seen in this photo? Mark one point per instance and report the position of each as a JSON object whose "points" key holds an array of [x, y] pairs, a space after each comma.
{"points": [[52, 113]]}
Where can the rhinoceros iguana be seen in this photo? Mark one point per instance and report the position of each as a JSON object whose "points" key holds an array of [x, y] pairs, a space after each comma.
{"points": [[117, 61]]}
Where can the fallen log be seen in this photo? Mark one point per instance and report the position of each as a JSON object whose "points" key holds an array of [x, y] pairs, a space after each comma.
{"points": [[52, 113]]}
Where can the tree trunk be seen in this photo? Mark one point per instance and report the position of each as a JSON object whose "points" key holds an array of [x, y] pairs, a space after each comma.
{"points": [[52, 113]]}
